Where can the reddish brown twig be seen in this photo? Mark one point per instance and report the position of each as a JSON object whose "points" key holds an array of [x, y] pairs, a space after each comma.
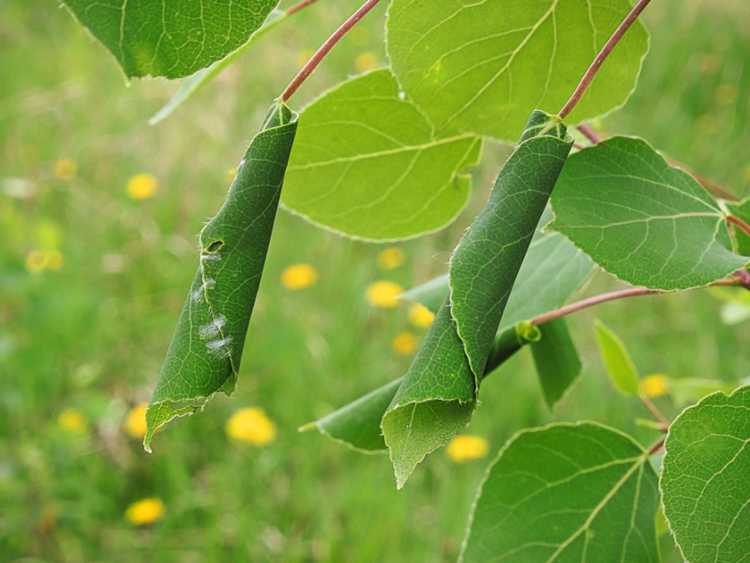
{"points": [[739, 223], [325, 48], [300, 6], [611, 43], [657, 446]]}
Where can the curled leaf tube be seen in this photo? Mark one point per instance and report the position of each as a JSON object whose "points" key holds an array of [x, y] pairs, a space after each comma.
{"points": [[205, 352]]}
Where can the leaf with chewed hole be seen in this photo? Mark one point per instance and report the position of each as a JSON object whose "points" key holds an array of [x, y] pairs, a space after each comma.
{"points": [[171, 38], [566, 492], [481, 67], [367, 164], [705, 486], [204, 356], [640, 219]]}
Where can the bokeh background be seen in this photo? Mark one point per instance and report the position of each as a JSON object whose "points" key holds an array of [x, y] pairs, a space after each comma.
{"points": [[98, 218]]}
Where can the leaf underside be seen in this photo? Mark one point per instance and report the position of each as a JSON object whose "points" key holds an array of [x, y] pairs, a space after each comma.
{"points": [[704, 483], [204, 356], [367, 164], [566, 493], [641, 220], [481, 67], [171, 38]]}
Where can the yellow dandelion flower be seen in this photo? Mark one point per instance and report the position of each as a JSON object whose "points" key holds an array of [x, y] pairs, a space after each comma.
{"points": [[391, 258], [36, 261], [135, 423], [54, 260], [365, 61], [299, 276], [145, 511], [384, 294], [72, 421], [465, 447], [420, 316], [142, 186], [251, 425], [65, 169], [655, 385], [405, 344]]}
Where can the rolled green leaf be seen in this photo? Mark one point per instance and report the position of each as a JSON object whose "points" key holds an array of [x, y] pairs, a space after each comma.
{"points": [[204, 356], [438, 392], [557, 362], [357, 424]]}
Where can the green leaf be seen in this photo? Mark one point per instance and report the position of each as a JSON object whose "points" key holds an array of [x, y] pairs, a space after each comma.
{"points": [[481, 67], [642, 220], [686, 390], [192, 84], [620, 367], [171, 38], [367, 164], [566, 492], [742, 211], [437, 396], [357, 424], [557, 362], [704, 483], [204, 356]]}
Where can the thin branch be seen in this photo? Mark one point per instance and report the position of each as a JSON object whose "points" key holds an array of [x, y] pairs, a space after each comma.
{"points": [[566, 310], [653, 409], [657, 446], [589, 133], [611, 43], [739, 223], [325, 48], [300, 6]]}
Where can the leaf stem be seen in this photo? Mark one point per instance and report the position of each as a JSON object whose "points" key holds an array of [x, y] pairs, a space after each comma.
{"points": [[566, 310], [299, 6], [657, 446], [325, 48], [739, 223], [654, 410], [589, 133], [611, 43]]}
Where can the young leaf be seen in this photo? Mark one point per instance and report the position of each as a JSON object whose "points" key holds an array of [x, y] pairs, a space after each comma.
{"points": [[357, 424], [566, 492], [204, 356], [436, 398], [641, 220], [741, 210], [193, 83], [621, 369], [552, 271], [704, 483], [483, 66], [171, 38], [367, 164], [557, 361]]}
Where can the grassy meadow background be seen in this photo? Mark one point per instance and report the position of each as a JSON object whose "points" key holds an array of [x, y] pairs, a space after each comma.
{"points": [[92, 280]]}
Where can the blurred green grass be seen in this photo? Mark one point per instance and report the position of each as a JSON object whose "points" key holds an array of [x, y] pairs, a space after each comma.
{"points": [[91, 336]]}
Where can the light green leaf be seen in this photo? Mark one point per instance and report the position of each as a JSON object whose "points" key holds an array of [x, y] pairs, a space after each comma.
{"points": [[620, 367], [481, 67], [204, 356], [438, 392], [557, 362], [641, 220], [192, 84], [741, 210], [566, 492], [552, 271], [691, 389], [367, 164], [705, 487], [357, 424], [171, 38]]}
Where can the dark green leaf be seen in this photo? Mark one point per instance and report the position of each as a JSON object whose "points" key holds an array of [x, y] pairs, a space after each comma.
{"points": [[566, 492], [204, 356], [641, 220], [557, 362], [705, 486], [741, 210], [171, 38]]}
